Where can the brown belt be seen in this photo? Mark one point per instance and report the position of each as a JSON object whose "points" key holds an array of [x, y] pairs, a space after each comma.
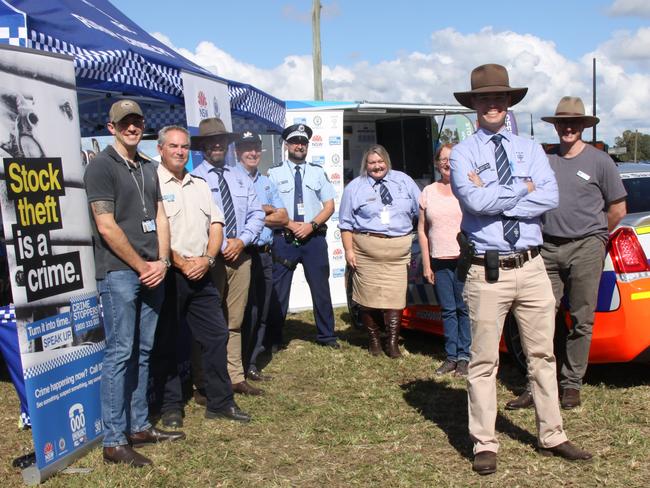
{"points": [[375, 234], [510, 261]]}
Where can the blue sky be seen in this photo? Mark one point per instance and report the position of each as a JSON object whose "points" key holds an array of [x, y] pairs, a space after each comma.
{"points": [[419, 50]]}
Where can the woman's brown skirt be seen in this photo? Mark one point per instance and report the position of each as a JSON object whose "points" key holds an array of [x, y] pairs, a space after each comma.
{"points": [[381, 277]]}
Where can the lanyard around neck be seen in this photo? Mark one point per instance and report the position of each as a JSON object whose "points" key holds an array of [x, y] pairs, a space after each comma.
{"points": [[140, 191]]}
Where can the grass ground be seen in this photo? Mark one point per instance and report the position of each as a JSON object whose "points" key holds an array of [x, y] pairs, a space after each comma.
{"points": [[344, 418]]}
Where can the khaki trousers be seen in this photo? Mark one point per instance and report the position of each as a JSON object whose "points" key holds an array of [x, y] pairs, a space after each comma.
{"points": [[233, 280], [527, 292]]}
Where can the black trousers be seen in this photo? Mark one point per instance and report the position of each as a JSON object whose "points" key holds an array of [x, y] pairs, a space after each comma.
{"points": [[199, 303], [257, 309]]}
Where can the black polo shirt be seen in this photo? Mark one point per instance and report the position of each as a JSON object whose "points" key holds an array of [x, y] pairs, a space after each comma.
{"points": [[108, 178]]}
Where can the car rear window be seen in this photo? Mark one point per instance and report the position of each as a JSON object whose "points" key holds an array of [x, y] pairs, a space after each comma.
{"points": [[638, 194]]}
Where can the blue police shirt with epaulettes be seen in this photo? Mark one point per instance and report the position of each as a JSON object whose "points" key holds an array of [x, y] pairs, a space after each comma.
{"points": [[267, 194], [316, 188], [484, 206], [361, 208], [248, 211]]}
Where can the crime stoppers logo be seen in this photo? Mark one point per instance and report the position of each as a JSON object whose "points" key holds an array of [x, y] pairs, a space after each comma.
{"points": [[335, 140], [203, 104], [48, 451]]}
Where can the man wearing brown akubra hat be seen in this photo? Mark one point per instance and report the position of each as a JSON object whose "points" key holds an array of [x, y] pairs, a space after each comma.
{"points": [[592, 203], [235, 195], [504, 184]]}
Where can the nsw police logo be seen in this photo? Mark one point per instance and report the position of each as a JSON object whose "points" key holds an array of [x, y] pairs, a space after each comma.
{"points": [[316, 141], [336, 160], [318, 121], [203, 105]]}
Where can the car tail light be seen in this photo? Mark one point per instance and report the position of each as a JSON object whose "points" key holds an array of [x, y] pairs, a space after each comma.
{"points": [[626, 252]]}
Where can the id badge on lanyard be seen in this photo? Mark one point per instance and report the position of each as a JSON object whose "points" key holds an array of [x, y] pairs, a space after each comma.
{"points": [[385, 215]]}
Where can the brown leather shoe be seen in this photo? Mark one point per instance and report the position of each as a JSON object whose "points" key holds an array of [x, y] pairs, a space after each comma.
{"points": [[200, 398], [525, 400], [153, 436], [125, 455], [448, 366], [566, 450], [570, 398], [245, 388], [485, 462]]}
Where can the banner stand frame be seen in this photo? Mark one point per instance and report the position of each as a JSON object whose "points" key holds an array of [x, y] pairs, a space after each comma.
{"points": [[33, 475]]}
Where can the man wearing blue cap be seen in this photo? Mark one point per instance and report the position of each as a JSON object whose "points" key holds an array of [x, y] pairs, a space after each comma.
{"points": [[249, 154], [309, 199]]}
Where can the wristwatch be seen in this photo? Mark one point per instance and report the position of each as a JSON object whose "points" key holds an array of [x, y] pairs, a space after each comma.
{"points": [[211, 261], [167, 262], [315, 226]]}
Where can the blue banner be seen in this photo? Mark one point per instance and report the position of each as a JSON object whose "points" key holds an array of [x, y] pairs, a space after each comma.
{"points": [[49, 256]]}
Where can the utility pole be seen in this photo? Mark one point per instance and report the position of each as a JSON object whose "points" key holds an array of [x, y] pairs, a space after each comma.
{"points": [[636, 141], [593, 107], [316, 57]]}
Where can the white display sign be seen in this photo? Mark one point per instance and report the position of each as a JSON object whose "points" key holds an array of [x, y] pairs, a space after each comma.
{"points": [[326, 150]]}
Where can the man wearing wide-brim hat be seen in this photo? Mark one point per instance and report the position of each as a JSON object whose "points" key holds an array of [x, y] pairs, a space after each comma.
{"points": [[592, 203], [235, 195], [504, 184]]}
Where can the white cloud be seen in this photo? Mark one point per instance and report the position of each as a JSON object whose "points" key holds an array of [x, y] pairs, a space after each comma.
{"points": [[640, 8], [625, 46], [432, 77]]}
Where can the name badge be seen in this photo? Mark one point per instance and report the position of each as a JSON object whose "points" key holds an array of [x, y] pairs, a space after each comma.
{"points": [[583, 175], [482, 168], [385, 216], [148, 226], [301, 209], [169, 198]]}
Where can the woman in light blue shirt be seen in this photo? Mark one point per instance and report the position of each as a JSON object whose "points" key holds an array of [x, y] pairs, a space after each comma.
{"points": [[376, 220]]}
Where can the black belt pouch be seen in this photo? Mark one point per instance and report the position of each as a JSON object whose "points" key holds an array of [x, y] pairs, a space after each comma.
{"points": [[491, 266]]}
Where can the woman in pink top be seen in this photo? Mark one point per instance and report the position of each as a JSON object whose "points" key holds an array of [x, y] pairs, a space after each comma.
{"points": [[438, 225]]}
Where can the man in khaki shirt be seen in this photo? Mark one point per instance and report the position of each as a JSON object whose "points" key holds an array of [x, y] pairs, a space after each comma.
{"points": [[196, 228]]}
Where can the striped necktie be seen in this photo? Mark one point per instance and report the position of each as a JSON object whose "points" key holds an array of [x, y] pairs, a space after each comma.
{"points": [[298, 216], [510, 225], [228, 207], [386, 197]]}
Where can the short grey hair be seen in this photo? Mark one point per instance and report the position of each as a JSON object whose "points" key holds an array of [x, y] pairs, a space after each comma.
{"points": [[162, 133], [380, 151]]}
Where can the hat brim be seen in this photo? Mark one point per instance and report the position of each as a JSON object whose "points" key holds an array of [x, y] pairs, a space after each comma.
{"points": [[516, 94], [300, 138], [197, 143], [587, 120]]}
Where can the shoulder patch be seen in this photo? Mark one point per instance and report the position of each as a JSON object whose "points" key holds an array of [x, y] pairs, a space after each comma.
{"points": [[277, 165]]}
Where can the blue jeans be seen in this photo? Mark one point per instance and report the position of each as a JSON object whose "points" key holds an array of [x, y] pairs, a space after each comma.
{"points": [[130, 313], [455, 317]]}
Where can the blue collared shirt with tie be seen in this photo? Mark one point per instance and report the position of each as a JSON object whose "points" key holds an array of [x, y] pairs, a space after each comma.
{"points": [[361, 205], [267, 194], [248, 211], [316, 188], [484, 207]]}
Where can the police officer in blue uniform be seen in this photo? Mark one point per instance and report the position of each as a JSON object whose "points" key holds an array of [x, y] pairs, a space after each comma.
{"points": [[254, 330], [309, 199]]}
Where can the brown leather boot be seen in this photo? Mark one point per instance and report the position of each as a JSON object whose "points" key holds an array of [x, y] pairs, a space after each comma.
{"points": [[368, 321], [393, 321]]}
